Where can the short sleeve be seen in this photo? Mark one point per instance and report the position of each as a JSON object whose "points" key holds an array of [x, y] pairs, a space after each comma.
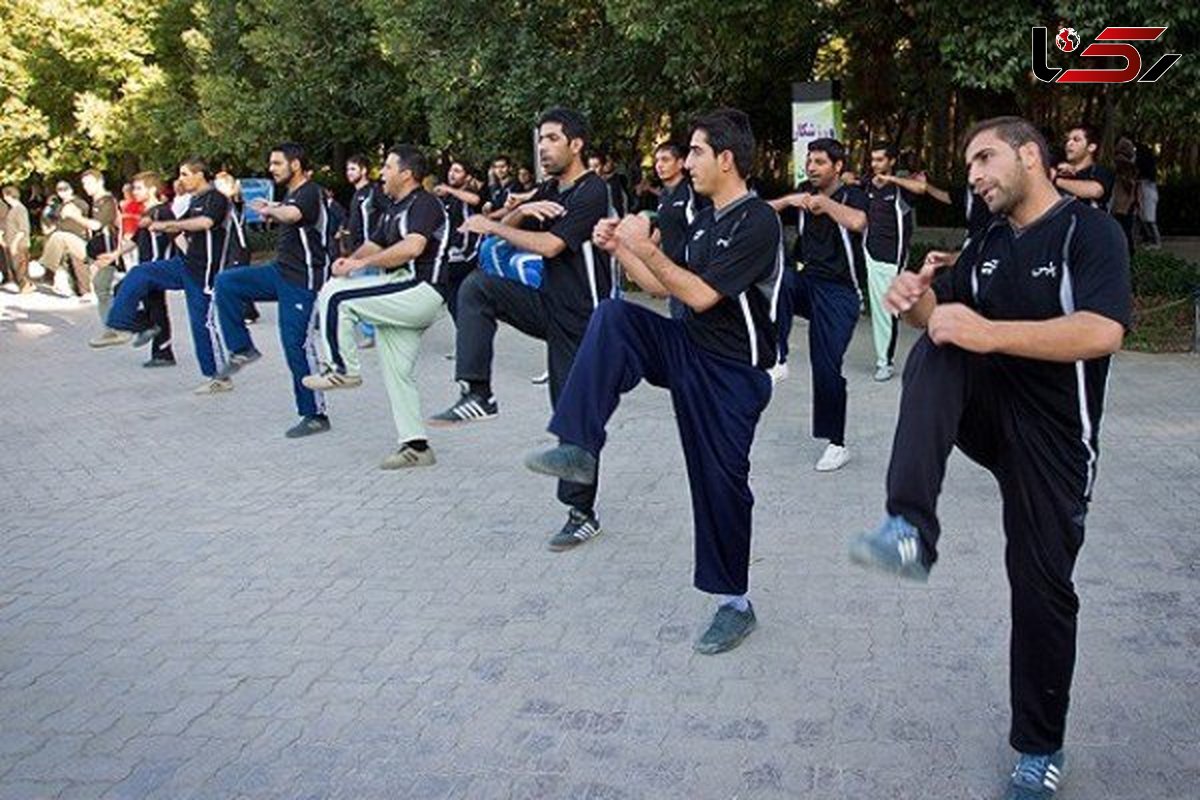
{"points": [[856, 198], [308, 200], [106, 211], [215, 206], [1099, 268], [586, 206], [751, 254], [953, 284], [426, 217]]}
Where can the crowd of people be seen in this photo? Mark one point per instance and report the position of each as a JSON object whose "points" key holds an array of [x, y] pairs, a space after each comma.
{"points": [[1019, 324]]}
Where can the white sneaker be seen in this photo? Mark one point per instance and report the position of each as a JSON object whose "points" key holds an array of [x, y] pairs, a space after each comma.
{"points": [[62, 284], [87, 299], [834, 458], [884, 373], [214, 386], [538, 380], [36, 270], [778, 373]]}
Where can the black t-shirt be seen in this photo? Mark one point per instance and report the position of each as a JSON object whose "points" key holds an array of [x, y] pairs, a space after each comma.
{"points": [[579, 277], [498, 193], [973, 211], [739, 253], [1072, 259], [826, 249], [618, 193], [155, 246], [206, 248], [889, 222], [237, 249], [677, 210], [418, 212], [463, 246], [303, 254], [1104, 177], [365, 207]]}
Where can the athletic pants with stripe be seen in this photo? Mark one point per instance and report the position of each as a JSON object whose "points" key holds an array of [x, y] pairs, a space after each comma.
{"points": [[169, 275], [951, 397], [400, 308], [487, 299], [241, 285], [884, 327], [831, 309], [717, 403]]}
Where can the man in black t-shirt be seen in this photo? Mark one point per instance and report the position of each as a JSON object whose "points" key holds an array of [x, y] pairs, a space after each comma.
{"points": [[889, 233], [408, 246], [461, 254], [678, 205], [368, 202], [292, 279], [713, 359], [148, 247], [203, 225], [555, 226], [1012, 370], [828, 251], [1080, 175]]}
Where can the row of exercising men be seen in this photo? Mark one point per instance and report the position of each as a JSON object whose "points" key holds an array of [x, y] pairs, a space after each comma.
{"points": [[1012, 368]]}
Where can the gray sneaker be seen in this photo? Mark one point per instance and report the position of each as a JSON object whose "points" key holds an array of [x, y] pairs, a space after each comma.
{"points": [[727, 630], [239, 360], [407, 457], [146, 336], [214, 386], [1036, 777], [308, 426], [894, 547], [566, 462], [109, 338]]}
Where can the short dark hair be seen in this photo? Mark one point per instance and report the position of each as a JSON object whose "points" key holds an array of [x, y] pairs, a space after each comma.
{"points": [[412, 159], [361, 160], [503, 158], [574, 124], [888, 149], [1013, 131], [830, 147], [729, 129], [676, 149], [292, 152], [197, 164], [1089, 132]]}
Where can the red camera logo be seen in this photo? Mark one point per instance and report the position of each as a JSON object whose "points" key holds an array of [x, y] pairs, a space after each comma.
{"points": [[1113, 42]]}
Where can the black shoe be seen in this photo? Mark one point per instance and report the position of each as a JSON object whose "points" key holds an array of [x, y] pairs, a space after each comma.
{"points": [[567, 462], [239, 360], [580, 528], [470, 407], [727, 629], [145, 337], [308, 426], [158, 361]]}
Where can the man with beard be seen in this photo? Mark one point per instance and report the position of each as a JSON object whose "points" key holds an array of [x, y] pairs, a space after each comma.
{"points": [[1080, 175], [292, 279], [713, 359], [828, 250], [555, 226], [460, 203], [408, 246], [1012, 370]]}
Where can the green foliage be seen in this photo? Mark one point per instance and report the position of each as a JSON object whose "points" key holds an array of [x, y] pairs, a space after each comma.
{"points": [[1159, 273]]}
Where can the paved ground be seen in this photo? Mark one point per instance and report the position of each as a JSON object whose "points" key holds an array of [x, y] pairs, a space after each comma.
{"points": [[192, 606]]}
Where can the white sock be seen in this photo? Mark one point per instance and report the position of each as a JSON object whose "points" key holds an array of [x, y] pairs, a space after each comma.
{"points": [[738, 601]]}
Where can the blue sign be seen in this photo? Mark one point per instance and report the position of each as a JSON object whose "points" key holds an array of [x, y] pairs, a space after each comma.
{"points": [[256, 189]]}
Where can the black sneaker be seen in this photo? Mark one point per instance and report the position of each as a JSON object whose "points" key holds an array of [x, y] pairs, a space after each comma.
{"points": [[308, 426], [567, 462], [470, 407], [159, 361], [145, 337], [727, 629], [239, 360], [580, 528]]}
